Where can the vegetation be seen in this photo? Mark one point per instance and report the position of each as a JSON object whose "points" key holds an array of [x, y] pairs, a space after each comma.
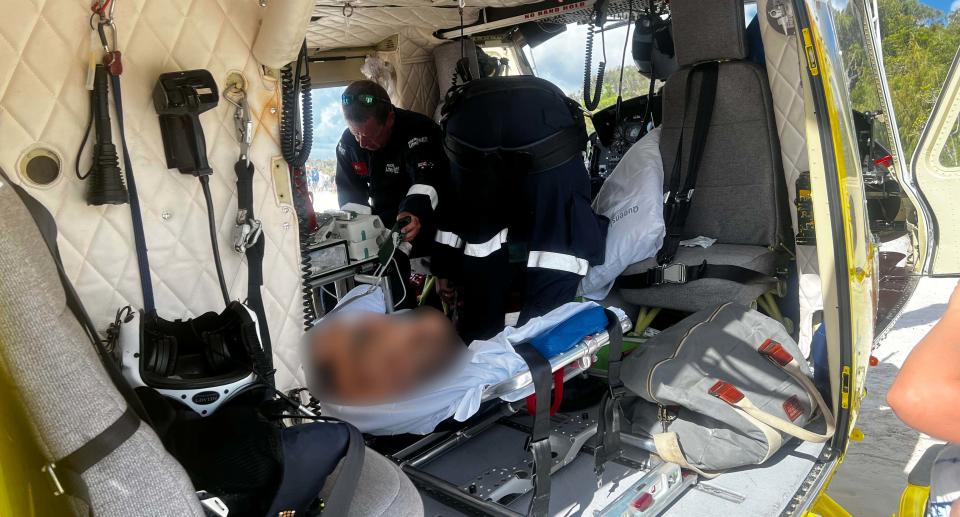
{"points": [[919, 43]]}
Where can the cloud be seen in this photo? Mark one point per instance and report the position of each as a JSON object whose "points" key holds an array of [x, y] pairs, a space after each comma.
{"points": [[560, 59], [955, 6], [328, 123]]}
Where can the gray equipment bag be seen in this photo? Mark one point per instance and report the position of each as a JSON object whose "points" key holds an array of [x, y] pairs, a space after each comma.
{"points": [[729, 386]]}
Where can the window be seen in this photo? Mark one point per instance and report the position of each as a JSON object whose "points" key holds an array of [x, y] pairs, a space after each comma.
{"points": [[560, 60], [950, 155], [328, 125]]}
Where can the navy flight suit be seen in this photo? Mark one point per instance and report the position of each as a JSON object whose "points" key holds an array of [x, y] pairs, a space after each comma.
{"points": [[402, 176], [520, 217]]}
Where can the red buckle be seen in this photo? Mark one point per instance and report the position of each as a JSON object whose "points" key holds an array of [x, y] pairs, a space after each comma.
{"points": [[112, 61], [792, 408], [775, 352], [726, 392]]}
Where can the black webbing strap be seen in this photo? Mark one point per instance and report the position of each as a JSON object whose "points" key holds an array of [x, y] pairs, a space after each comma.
{"points": [[68, 470], [677, 202], [681, 273], [341, 496], [542, 155], [608, 423], [540, 430], [254, 254], [139, 240]]}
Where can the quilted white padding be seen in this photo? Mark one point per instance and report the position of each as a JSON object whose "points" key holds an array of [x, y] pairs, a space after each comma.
{"points": [[783, 71], [367, 22], [44, 46]]}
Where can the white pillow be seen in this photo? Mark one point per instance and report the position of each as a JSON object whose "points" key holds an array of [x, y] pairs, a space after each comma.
{"points": [[632, 198]]}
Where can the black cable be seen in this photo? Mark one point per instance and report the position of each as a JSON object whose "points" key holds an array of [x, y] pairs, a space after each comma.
{"points": [[296, 125], [83, 143], [623, 58], [212, 223], [591, 103]]}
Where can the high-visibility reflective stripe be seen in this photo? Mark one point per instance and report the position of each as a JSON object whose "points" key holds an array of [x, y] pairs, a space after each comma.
{"points": [[449, 239], [559, 262], [426, 190], [486, 248]]}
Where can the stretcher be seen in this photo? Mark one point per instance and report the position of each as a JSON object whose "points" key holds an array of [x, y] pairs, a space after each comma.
{"points": [[562, 443]]}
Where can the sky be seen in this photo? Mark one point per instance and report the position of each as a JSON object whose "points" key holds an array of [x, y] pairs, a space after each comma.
{"points": [[559, 60]]}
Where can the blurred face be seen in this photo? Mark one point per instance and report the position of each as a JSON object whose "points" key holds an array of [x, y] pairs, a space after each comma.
{"points": [[366, 359], [371, 134]]}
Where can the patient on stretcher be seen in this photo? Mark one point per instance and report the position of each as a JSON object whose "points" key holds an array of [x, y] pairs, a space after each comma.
{"points": [[440, 381], [359, 356]]}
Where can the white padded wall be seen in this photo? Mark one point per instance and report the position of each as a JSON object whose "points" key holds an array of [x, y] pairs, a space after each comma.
{"points": [[44, 46], [417, 87], [784, 70]]}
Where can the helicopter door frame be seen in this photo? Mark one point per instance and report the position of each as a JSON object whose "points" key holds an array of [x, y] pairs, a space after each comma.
{"points": [[939, 183]]}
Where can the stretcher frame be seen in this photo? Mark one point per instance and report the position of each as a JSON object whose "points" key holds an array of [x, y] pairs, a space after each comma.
{"points": [[415, 456]]}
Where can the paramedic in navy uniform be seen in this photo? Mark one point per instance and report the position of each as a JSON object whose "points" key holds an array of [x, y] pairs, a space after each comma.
{"points": [[390, 159]]}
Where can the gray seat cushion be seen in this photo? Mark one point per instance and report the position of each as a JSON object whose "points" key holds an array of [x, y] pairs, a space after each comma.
{"points": [[706, 292], [383, 490], [65, 389]]}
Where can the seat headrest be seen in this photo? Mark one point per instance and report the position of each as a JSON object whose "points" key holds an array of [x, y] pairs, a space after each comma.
{"points": [[709, 30]]}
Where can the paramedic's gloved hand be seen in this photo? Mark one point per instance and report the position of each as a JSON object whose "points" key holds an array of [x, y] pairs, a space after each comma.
{"points": [[411, 230], [446, 290]]}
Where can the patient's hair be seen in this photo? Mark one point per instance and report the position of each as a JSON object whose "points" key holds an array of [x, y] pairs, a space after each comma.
{"points": [[356, 112]]}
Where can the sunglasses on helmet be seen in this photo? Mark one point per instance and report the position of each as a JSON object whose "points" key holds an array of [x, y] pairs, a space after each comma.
{"points": [[364, 99]]}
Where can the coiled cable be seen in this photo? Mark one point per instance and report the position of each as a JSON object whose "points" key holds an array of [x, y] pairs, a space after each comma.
{"points": [[296, 136], [588, 102], [296, 125]]}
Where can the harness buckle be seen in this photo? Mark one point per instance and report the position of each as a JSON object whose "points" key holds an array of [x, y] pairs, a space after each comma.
{"points": [[247, 232], [49, 470], [670, 274]]}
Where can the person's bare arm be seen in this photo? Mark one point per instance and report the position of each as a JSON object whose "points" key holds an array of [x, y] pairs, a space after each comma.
{"points": [[926, 392]]}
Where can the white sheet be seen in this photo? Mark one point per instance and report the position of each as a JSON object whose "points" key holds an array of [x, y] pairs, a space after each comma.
{"points": [[458, 393]]}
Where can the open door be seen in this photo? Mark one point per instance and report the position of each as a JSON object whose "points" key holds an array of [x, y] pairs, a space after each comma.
{"points": [[936, 169]]}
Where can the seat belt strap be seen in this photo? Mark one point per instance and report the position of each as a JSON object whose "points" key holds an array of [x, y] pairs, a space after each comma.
{"points": [[139, 240], [678, 273], [678, 200], [608, 423], [540, 430], [48, 230], [341, 496], [543, 155], [66, 473], [254, 253]]}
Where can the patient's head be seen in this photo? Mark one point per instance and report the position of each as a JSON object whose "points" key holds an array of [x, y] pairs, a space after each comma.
{"points": [[367, 358]]}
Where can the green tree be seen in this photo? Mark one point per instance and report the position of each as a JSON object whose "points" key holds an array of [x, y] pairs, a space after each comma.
{"points": [[919, 43]]}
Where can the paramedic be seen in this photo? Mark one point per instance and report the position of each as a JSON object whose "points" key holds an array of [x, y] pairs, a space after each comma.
{"points": [[926, 396], [520, 231], [390, 160], [359, 356]]}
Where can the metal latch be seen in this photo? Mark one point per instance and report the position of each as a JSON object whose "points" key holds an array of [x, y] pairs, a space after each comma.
{"points": [[246, 233], [49, 470], [671, 274]]}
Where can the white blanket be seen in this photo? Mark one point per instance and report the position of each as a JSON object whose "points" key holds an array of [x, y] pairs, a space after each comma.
{"points": [[458, 392]]}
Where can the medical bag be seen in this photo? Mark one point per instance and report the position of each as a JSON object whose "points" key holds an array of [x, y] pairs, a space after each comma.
{"points": [[724, 388]]}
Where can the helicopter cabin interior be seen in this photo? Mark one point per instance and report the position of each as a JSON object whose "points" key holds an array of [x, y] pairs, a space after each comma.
{"points": [[782, 128]]}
